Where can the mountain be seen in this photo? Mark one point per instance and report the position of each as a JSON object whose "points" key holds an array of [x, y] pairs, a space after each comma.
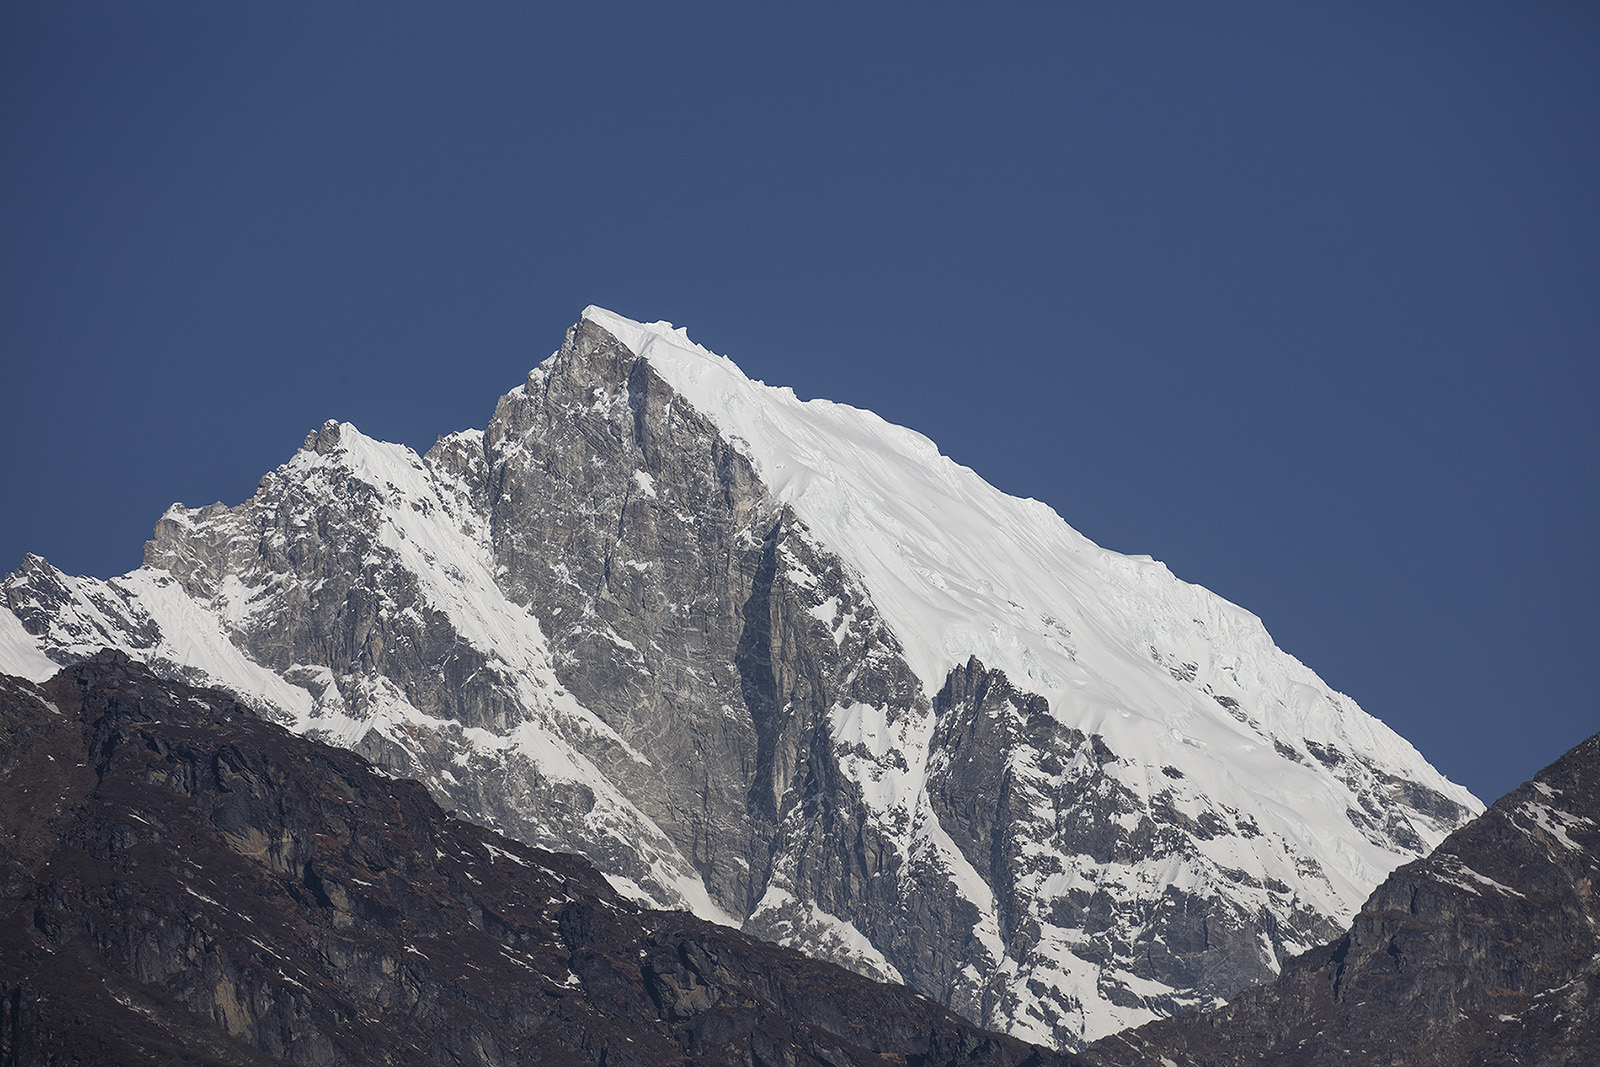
{"points": [[1486, 952], [783, 664], [184, 884]]}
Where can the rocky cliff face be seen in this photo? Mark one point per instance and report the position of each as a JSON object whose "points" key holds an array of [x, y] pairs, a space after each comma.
{"points": [[785, 666], [1028, 800], [184, 884], [1485, 952]]}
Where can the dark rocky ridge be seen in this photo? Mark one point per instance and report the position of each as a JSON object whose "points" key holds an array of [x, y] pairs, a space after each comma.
{"points": [[181, 883], [188, 885], [1485, 952]]}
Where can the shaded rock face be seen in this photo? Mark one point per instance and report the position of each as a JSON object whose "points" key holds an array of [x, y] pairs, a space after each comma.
{"points": [[1485, 952], [678, 602], [591, 626], [183, 883]]}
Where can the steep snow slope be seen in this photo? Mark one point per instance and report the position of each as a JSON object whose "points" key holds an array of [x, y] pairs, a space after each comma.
{"points": [[783, 664], [1117, 644]]}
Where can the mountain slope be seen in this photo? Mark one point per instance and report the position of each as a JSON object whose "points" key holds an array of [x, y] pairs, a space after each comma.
{"points": [[1485, 952], [783, 664], [204, 888]]}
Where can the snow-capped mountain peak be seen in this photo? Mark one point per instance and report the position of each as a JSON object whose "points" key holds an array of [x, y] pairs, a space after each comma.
{"points": [[961, 569], [783, 663]]}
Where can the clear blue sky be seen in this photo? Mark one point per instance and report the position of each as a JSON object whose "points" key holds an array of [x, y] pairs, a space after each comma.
{"points": [[1302, 299]]}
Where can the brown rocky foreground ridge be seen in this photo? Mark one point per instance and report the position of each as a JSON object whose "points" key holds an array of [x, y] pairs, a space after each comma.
{"points": [[182, 883]]}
